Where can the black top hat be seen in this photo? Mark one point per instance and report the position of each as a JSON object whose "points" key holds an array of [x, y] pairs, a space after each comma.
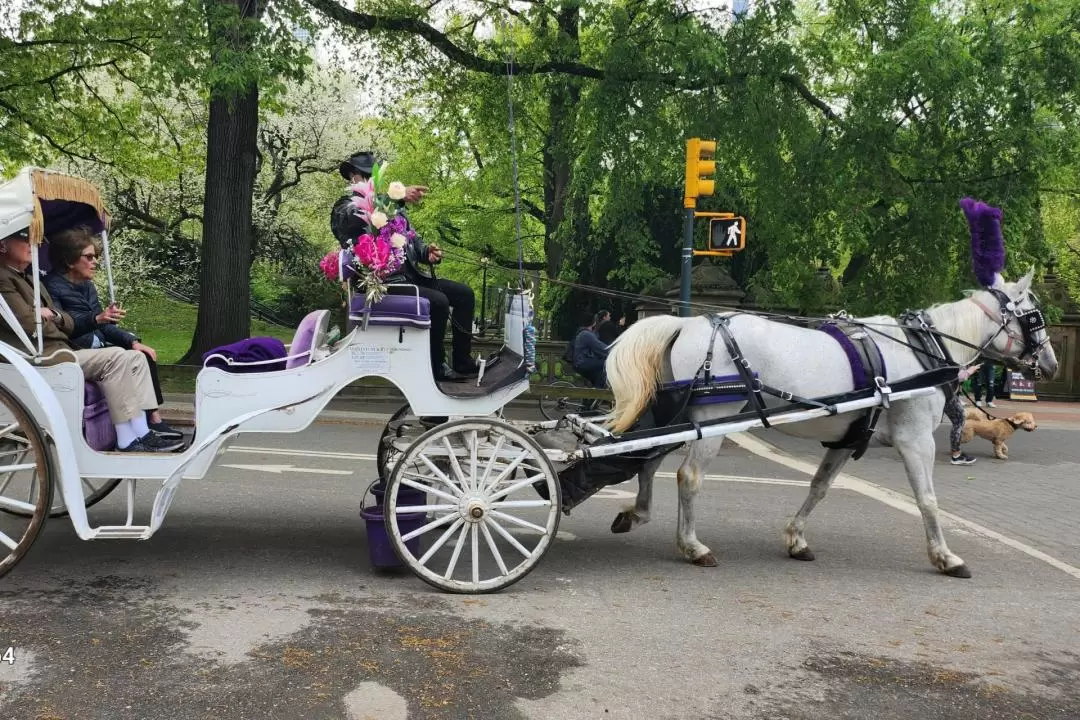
{"points": [[359, 162]]}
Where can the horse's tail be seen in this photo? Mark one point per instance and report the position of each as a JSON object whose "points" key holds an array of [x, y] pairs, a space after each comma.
{"points": [[634, 365]]}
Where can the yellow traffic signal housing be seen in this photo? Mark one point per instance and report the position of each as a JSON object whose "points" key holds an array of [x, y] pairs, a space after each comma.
{"points": [[700, 168]]}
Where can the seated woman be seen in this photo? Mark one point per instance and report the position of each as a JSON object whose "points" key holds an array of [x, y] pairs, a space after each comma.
{"points": [[123, 375], [73, 254]]}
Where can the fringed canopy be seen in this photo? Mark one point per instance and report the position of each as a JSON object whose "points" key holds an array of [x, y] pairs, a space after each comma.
{"points": [[54, 191]]}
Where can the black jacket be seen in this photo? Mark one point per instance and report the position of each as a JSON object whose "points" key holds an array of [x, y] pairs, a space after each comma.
{"points": [[80, 300], [347, 226]]}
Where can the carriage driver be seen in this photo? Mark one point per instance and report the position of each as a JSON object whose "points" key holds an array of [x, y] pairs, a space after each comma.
{"points": [[442, 294], [122, 374]]}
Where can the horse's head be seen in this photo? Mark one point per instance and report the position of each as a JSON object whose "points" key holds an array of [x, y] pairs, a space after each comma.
{"points": [[1016, 334]]}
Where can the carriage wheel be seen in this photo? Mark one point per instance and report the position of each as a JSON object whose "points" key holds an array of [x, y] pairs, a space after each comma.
{"points": [[462, 508], [386, 455], [26, 481], [95, 489], [554, 405]]}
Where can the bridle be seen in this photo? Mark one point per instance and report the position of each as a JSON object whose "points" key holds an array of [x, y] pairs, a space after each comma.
{"points": [[1031, 322]]}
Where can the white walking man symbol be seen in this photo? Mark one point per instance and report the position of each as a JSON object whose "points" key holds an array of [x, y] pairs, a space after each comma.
{"points": [[733, 233]]}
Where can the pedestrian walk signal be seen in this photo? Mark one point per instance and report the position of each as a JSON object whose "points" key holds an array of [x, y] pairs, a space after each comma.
{"points": [[727, 234]]}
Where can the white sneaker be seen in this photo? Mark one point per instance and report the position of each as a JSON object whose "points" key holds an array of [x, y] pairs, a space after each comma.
{"points": [[978, 403], [990, 404]]}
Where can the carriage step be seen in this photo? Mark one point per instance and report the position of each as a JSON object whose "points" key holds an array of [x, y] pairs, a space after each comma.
{"points": [[122, 532]]}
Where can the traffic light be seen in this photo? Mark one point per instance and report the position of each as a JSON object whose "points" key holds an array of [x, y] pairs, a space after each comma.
{"points": [[700, 168]]}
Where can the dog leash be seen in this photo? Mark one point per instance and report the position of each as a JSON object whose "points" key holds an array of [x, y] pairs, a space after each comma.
{"points": [[974, 404]]}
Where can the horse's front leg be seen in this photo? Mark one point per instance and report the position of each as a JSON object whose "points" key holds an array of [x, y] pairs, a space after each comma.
{"points": [[827, 471], [918, 456], [690, 475], [638, 513]]}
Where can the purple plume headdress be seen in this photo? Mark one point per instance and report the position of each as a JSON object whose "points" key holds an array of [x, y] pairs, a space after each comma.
{"points": [[987, 244]]}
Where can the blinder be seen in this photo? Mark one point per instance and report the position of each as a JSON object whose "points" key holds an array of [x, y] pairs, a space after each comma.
{"points": [[1031, 322]]}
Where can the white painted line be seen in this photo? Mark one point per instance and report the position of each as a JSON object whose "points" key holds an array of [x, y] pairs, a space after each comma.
{"points": [[897, 500], [301, 453], [279, 469]]}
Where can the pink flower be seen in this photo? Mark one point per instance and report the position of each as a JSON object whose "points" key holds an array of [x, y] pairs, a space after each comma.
{"points": [[330, 266], [364, 249]]}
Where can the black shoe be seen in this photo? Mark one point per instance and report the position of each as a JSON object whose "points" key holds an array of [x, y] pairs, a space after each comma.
{"points": [[150, 443], [165, 431], [159, 444]]}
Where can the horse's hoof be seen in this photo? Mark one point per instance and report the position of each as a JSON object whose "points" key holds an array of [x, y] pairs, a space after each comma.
{"points": [[804, 554], [624, 522], [960, 571], [706, 560]]}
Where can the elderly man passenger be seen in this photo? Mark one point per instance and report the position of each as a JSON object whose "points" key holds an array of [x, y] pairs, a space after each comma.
{"points": [[122, 374]]}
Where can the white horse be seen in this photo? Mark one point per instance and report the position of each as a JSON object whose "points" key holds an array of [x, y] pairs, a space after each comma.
{"points": [[810, 363]]}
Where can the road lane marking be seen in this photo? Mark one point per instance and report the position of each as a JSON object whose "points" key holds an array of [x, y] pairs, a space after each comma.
{"points": [[279, 469], [301, 453], [894, 499]]}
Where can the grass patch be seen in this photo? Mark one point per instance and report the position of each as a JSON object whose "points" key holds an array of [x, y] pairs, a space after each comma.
{"points": [[168, 326]]}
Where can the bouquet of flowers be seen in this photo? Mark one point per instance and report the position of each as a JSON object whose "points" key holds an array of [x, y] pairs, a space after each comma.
{"points": [[379, 251]]}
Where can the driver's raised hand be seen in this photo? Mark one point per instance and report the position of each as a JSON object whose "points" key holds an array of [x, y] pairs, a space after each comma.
{"points": [[434, 254], [415, 193]]}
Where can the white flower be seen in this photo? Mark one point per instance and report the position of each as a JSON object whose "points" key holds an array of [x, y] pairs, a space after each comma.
{"points": [[398, 240], [396, 191], [378, 219]]}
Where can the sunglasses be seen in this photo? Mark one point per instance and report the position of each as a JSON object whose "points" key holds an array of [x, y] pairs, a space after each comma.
{"points": [[89, 256]]}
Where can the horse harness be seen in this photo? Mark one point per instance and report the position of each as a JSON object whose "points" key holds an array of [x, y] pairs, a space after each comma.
{"points": [[864, 356]]}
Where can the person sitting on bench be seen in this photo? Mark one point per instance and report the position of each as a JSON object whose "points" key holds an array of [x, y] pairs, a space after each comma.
{"points": [[442, 294], [122, 374]]}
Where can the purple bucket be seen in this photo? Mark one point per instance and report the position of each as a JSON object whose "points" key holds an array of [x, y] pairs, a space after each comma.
{"points": [[379, 546]]}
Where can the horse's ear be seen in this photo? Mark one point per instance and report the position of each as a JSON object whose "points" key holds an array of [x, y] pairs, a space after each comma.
{"points": [[999, 282], [1024, 284]]}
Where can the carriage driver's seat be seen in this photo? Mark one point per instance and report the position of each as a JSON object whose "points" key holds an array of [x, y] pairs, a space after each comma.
{"points": [[401, 310]]}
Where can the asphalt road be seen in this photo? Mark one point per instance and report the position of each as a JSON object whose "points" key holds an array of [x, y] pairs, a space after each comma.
{"points": [[257, 600]]}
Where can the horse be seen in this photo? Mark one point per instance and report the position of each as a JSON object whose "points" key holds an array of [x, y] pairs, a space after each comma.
{"points": [[995, 322]]}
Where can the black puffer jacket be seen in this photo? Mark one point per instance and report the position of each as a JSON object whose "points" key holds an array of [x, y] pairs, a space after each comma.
{"points": [[80, 300]]}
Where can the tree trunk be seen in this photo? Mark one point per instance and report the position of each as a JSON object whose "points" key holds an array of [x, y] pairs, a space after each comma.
{"points": [[231, 148], [558, 153]]}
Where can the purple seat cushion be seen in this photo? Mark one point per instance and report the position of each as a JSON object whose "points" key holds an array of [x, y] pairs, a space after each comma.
{"points": [[300, 350], [92, 393], [393, 310]]}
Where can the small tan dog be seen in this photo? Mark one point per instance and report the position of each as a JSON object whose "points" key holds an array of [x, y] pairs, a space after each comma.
{"points": [[996, 431]]}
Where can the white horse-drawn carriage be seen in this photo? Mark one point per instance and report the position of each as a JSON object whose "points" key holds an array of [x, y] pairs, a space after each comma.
{"points": [[471, 501]]}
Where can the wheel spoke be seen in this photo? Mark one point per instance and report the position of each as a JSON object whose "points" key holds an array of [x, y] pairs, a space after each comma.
{"points": [[518, 521], [427, 488], [507, 536], [17, 505], [491, 462], [412, 509], [441, 541], [494, 550], [508, 470], [11, 544], [473, 482], [475, 556], [539, 502], [516, 486], [454, 461], [457, 553], [430, 526], [9, 428], [438, 474]]}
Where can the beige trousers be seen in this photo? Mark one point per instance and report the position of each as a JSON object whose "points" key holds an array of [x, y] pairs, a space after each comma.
{"points": [[124, 378]]}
